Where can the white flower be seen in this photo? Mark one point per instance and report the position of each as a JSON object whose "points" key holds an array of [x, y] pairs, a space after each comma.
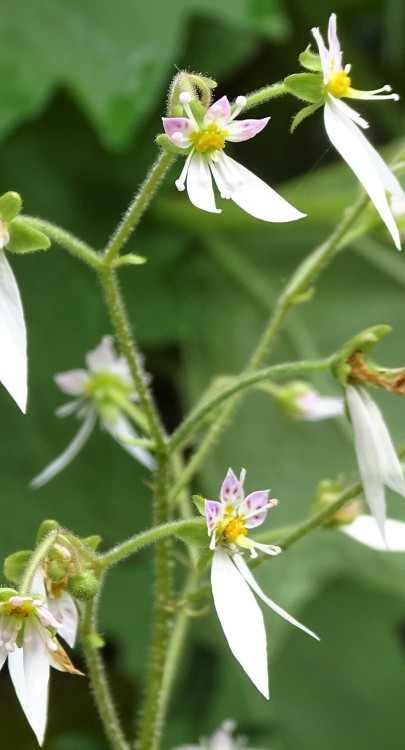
{"points": [[103, 391], [343, 125], [204, 142], [221, 740], [232, 583], [376, 456], [365, 530], [13, 336], [27, 638]]}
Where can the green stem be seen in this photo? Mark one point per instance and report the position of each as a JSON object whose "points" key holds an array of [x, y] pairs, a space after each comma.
{"points": [[68, 241], [240, 384], [264, 95], [151, 716], [120, 321], [35, 560], [138, 205], [99, 683], [136, 543], [306, 273]]}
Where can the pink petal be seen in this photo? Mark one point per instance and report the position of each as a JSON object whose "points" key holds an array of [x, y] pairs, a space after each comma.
{"points": [[254, 501], [179, 130], [72, 382], [103, 356], [242, 130], [218, 113], [214, 512], [232, 488]]}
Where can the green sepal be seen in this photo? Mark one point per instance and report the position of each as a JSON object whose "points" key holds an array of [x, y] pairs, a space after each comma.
{"points": [[5, 593], [204, 561], [199, 503], [198, 110], [15, 564], [83, 586], [10, 206], [310, 60], [95, 640], [302, 114], [24, 238], [45, 528], [365, 341], [92, 541], [129, 260], [193, 533], [56, 570], [306, 86], [164, 141]]}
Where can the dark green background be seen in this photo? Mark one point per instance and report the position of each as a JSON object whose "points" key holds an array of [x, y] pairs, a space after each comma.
{"points": [[82, 89]]}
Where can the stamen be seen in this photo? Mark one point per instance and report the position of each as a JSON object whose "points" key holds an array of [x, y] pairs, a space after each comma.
{"points": [[180, 182], [240, 102], [256, 512], [185, 98]]}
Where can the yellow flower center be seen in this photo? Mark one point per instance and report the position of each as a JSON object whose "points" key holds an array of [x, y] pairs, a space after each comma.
{"points": [[212, 139], [234, 529], [339, 83], [25, 609]]}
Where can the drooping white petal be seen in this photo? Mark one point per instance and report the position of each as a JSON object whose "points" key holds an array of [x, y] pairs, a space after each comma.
{"points": [[121, 430], [65, 612], [36, 662], [316, 407], [199, 185], [35, 710], [103, 356], [245, 572], [365, 530], [368, 454], [72, 382], [66, 409], [392, 470], [256, 197], [13, 337], [241, 619], [3, 655], [348, 111], [69, 454], [360, 156]]}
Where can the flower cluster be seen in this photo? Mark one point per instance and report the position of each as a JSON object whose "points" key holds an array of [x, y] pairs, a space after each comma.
{"points": [[228, 522], [103, 392]]}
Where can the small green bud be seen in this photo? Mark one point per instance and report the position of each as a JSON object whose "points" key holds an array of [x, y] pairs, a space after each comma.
{"points": [[130, 259], [95, 640], [56, 570], [14, 564], [306, 86], [10, 206], [25, 238], [45, 528], [5, 594], [83, 586]]}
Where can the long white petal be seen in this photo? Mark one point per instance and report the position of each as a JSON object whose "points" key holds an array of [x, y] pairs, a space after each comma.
{"points": [[256, 197], [121, 430], [36, 662], [368, 454], [245, 572], [241, 619], [356, 151], [68, 455], [36, 711], [65, 612], [199, 185], [392, 470], [13, 337], [365, 530]]}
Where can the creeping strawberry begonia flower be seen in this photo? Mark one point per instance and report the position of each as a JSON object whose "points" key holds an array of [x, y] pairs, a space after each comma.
{"points": [[376, 455], [204, 141], [228, 522], [343, 125], [27, 638], [13, 336], [100, 393], [222, 739]]}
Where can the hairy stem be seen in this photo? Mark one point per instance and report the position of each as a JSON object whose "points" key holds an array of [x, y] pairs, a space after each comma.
{"points": [[68, 241]]}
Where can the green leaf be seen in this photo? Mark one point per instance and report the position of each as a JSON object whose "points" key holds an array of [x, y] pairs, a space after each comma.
{"points": [[14, 565], [204, 561], [45, 527], [310, 60], [194, 534], [199, 503], [24, 238], [302, 114], [306, 86], [10, 206]]}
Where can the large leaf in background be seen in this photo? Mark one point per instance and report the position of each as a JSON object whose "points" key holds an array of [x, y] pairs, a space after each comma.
{"points": [[112, 57]]}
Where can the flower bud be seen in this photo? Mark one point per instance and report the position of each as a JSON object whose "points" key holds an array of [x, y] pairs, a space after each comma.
{"points": [[83, 586], [56, 570]]}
